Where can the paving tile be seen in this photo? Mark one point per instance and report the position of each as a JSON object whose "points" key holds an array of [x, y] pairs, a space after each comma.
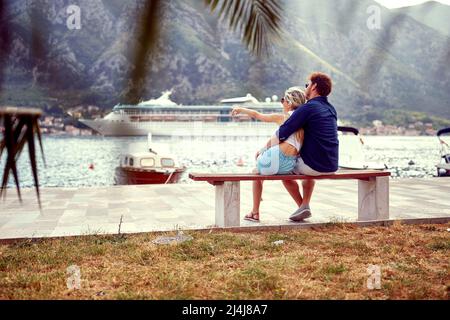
{"points": [[79, 211], [94, 211]]}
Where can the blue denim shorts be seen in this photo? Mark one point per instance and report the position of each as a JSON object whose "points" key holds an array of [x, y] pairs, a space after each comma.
{"points": [[273, 161]]}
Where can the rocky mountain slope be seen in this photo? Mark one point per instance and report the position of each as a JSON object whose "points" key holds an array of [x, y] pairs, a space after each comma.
{"points": [[404, 65], [433, 14]]}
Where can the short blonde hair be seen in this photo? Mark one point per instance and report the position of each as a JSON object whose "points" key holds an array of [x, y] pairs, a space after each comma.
{"points": [[295, 96]]}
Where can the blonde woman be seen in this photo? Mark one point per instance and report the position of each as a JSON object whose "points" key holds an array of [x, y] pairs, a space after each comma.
{"points": [[275, 158]]}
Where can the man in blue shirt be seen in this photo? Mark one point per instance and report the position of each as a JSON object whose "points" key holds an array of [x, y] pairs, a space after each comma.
{"points": [[320, 149]]}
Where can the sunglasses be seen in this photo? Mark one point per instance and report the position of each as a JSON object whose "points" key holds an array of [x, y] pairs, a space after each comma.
{"points": [[282, 100], [307, 85]]}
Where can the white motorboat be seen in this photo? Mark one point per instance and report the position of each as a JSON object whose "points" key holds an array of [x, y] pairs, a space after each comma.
{"points": [[351, 152], [149, 167], [443, 167]]}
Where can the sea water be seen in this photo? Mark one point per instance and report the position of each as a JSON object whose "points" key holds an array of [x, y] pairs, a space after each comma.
{"points": [[90, 161]]}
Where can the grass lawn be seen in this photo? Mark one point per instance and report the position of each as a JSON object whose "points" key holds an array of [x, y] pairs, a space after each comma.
{"points": [[325, 263]]}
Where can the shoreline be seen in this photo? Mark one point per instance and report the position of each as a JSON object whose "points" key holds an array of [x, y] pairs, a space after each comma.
{"points": [[148, 208], [64, 134]]}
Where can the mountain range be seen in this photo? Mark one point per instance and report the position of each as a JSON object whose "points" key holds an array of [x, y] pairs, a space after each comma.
{"points": [[403, 65], [432, 13]]}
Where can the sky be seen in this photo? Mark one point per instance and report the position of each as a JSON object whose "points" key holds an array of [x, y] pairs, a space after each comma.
{"points": [[404, 3]]}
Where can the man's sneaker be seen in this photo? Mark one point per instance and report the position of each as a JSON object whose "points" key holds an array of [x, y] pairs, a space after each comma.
{"points": [[304, 212]]}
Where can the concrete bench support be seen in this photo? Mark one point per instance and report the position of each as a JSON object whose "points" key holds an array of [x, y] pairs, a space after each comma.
{"points": [[373, 199], [373, 192], [228, 204]]}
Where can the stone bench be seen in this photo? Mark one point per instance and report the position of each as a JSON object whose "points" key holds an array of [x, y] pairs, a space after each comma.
{"points": [[373, 192]]}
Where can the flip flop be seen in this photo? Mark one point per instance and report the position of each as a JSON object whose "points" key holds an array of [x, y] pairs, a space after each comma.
{"points": [[250, 216]]}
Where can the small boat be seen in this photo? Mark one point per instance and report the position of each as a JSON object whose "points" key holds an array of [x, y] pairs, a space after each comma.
{"points": [[354, 158], [443, 168], [148, 168]]}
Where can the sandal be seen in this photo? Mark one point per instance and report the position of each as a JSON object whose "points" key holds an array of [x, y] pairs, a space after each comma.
{"points": [[254, 217]]}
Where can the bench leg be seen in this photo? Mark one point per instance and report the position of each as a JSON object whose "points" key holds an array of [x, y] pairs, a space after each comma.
{"points": [[228, 204], [373, 199]]}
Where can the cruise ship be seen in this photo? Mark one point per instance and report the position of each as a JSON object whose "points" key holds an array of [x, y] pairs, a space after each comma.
{"points": [[163, 117]]}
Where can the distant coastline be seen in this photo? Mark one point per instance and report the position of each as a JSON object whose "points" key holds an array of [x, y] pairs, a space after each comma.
{"points": [[57, 121], [65, 123]]}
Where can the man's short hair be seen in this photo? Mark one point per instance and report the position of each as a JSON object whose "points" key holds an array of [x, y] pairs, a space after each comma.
{"points": [[323, 81]]}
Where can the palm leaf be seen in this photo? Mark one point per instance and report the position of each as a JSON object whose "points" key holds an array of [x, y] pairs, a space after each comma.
{"points": [[148, 34], [10, 145], [37, 129], [31, 123], [258, 21], [20, 127]]}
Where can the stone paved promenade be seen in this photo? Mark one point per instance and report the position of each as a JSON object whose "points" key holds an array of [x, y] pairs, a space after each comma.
{"points": [[78, 211]]}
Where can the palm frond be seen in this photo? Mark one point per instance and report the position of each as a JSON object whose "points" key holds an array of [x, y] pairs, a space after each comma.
{"points": [[258, 21], [31, 124], [9, 144], [147, 37], [20, 127]]}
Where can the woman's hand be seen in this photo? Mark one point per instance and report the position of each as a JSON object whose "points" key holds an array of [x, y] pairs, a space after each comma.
{"points": [[236, 111], [259, 152]]}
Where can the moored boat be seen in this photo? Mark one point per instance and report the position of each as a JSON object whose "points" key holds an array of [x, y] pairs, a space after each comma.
{"points": [[443, 167], [351, 152], [148, 168]]}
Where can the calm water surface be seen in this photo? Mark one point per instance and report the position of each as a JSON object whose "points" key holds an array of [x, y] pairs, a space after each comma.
{"points": [[68, 158]]}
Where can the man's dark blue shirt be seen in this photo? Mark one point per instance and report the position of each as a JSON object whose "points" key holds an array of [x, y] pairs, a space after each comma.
{"points": [[320, 149]]}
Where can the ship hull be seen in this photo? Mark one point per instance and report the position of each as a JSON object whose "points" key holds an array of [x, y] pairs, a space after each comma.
{"points": [[125, 176], [109, 128], [179, 128]]}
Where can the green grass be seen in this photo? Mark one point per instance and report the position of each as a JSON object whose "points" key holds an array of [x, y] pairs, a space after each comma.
{"points": [[440, 244], [320, 263]]}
